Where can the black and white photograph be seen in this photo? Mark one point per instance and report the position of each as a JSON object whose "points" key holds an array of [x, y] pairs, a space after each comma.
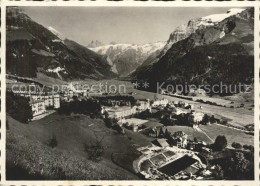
{"points": [[130, 93]]}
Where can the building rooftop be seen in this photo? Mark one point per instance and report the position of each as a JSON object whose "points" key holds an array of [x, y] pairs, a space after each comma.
{"points": [[136, 121], [36, 101], [161, 142]]}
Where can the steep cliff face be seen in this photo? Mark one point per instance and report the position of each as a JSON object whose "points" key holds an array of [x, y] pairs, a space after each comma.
{"points": [[183, 31], [32, 48], [219, 50], [180, 33], [202, 30]]}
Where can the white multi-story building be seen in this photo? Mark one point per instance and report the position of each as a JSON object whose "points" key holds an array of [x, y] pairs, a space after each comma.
{"points": [[119, 112], [38, 101], [198, 116], [38, 107], [160, 102], [56, 101]]}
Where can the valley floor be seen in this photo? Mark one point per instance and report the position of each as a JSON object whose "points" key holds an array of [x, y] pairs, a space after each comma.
{"points": [[27, 143], [237, 116]]}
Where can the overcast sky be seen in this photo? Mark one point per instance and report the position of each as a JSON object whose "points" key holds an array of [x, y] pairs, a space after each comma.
{"points": [[119, 24]]}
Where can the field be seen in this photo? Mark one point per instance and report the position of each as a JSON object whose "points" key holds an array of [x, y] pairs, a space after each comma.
{"points": [[152, 123], [190, 132], [138, 139], [232, 135], [238, 116], [71, 133]]}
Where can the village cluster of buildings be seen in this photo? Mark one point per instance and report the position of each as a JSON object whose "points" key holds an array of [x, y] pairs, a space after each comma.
{"points": [[120, 112], [178, 139], [79, 90]]}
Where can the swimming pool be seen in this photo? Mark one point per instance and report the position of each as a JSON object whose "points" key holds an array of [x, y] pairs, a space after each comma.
{"points": [[178, 165]]}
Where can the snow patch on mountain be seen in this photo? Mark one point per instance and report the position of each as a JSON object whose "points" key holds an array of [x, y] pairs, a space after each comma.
{"points": [[185, 30], [124, 58], [145, 48], [57, 70], [222, 34], [113, 66], [220, 17], [57, 33]]}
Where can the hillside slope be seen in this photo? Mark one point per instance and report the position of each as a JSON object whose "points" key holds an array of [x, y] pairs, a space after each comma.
{"points": [[32, 48], [29, 157]]}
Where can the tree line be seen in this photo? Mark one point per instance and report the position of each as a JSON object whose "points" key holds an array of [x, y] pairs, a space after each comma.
{"points": [[88, 107], [18, 107]]}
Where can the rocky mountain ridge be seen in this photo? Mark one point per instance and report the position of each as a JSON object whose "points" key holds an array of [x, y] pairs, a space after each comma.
{"points": [[220, 49], [124, 58], [32, 48]]}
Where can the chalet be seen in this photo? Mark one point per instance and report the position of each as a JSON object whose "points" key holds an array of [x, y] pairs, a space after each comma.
{"points": [[144, 104], [156, 132], [153, 132], [179, 139]]}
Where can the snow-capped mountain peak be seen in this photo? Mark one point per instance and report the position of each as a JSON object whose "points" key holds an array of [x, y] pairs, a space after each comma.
{"points": [[124, 58], [190, 27], [220, 17], [56, 32], [144, 48]]}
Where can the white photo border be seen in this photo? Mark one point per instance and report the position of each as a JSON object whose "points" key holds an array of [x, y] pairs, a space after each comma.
{"points": [[130, 3]]}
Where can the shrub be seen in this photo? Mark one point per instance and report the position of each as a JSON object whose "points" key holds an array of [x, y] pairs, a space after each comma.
{"points": [[88, 107], [236, 145], [94, 151], [52, 142], [220, 143], [110, 122], [18, 107], [249, 147]]}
